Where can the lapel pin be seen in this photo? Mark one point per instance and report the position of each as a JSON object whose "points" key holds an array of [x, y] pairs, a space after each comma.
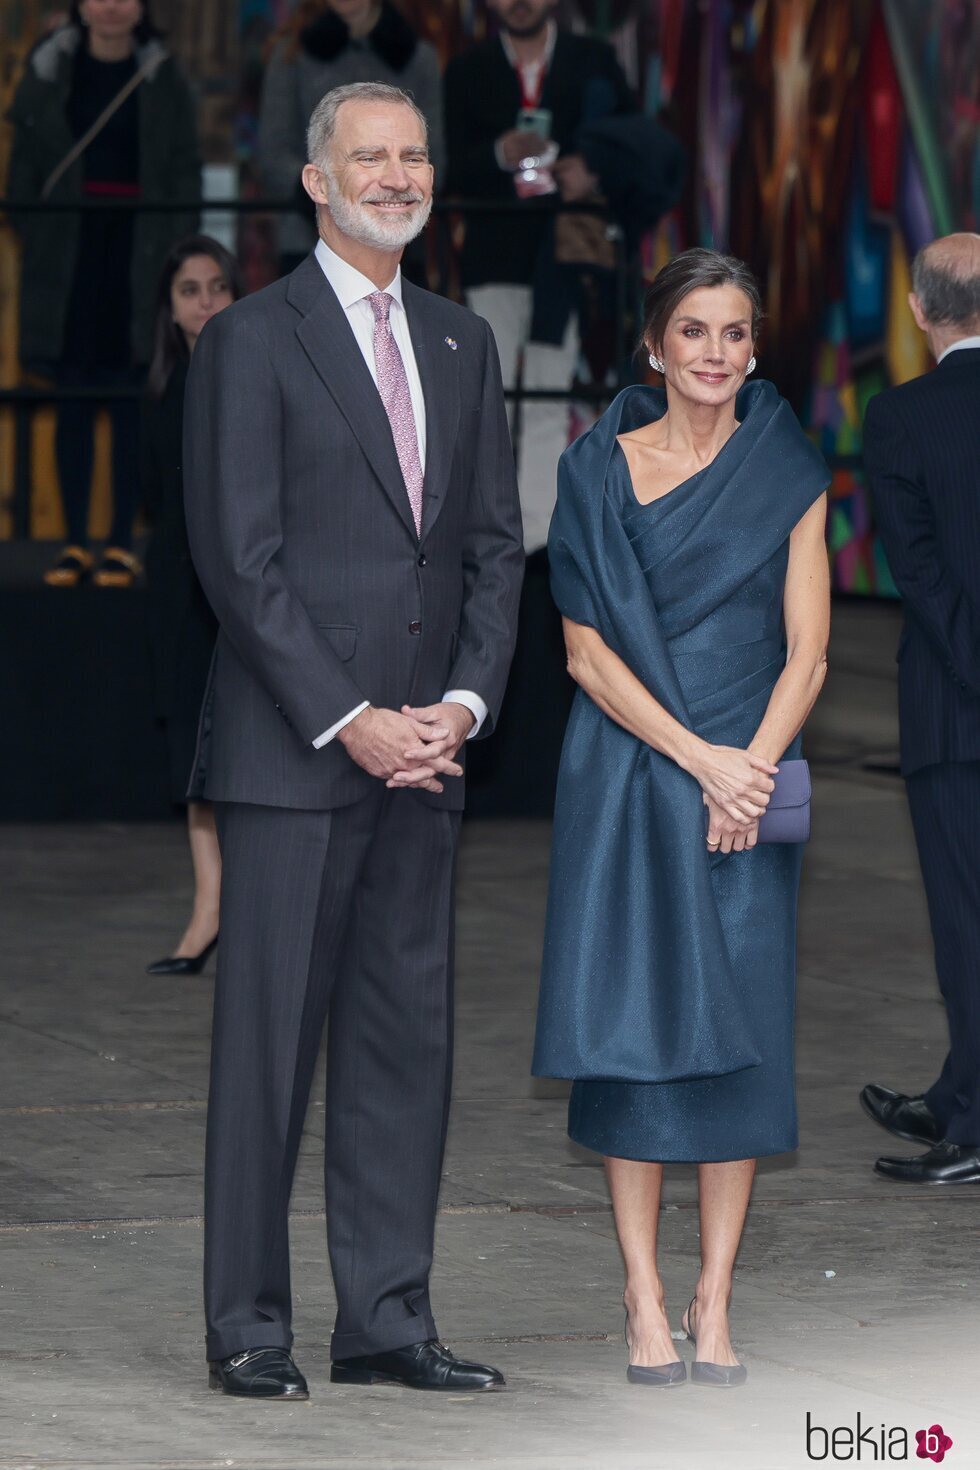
{"points": [[451, 342]]}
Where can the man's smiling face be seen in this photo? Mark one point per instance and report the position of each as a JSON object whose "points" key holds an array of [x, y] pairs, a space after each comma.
{"points": [[378, 175]]}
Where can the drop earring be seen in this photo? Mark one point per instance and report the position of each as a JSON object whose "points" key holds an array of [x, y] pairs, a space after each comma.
{"points": [[655, 363], [751, 366]]}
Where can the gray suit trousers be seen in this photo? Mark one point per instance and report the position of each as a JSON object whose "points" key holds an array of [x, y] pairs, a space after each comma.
{"points": [[348, 914]]}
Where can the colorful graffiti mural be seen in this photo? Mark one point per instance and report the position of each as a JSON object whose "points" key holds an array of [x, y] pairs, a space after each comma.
{"points": [[831, 139], [908, 181]]}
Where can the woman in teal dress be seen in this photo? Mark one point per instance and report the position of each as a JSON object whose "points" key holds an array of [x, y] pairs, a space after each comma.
{"points": [[689, 565]]}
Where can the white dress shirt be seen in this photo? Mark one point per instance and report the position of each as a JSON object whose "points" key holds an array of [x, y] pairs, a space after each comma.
{"points": [[957, 346], [352, 290]]}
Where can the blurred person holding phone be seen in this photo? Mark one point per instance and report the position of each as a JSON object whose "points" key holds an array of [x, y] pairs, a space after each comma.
{"points": [[514, 105]]}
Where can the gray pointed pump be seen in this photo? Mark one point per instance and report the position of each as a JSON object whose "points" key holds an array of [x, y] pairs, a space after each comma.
{"points": [[712, 1375], [664, 1375]]}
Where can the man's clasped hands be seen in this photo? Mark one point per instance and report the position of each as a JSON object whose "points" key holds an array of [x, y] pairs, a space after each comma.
{"points": [[410, 748]]}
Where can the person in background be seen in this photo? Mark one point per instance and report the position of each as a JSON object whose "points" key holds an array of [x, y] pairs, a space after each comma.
{"points": [[88, 279], [525, 94], [326, 44], [920, 451], [200, 278]]}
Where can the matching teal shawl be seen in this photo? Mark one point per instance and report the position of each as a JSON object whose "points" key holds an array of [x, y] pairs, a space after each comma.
{"points": [[637, 983]]}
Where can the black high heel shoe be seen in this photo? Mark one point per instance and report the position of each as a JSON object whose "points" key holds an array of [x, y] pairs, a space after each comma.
{"points": [[183, 964], [712, 1375], [665, 1375]]}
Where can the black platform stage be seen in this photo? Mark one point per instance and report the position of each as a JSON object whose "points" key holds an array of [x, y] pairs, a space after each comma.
{"points": [[78, 740]]}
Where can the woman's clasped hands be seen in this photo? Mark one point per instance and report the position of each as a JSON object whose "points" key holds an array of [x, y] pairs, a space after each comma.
{"points": [[736, 785]]}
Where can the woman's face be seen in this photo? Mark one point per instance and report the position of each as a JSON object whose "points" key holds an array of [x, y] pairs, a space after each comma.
{"points": [[707, 344], [111, 20], [351, 11], [198, 290]]}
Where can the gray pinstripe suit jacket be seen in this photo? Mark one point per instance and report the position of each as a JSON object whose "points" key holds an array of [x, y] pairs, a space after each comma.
{"points": [[303, 538]]}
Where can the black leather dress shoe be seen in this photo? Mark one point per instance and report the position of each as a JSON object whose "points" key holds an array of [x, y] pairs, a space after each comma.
{"points": [[906, 1117], [947, 1163], [420, 1365], [259, 1373], [191, 964]]}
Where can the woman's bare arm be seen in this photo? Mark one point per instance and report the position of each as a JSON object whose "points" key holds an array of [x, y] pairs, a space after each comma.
{"points": [[617, 691], [806, 612], [738, 781]]}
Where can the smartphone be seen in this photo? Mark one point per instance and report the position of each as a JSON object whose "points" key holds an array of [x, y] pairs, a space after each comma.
{"points": [[535, 120]]}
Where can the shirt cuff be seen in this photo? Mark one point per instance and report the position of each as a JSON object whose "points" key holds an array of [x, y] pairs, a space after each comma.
{"points": [[473, 703], [508, 168], [328, 735]]}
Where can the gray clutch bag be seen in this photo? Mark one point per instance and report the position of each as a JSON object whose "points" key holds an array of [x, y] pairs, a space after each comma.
{"points": [[787, 817]]}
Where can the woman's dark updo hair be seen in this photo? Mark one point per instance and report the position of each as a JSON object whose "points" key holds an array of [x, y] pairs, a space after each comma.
{"points": [[143, 31], [169, 342], [689, 271]]}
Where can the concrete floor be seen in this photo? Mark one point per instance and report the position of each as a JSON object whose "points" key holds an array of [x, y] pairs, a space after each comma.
{"points": [[853, 1296]]}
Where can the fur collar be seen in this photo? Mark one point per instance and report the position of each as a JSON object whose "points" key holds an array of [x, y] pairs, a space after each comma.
{"points": [[392, 39], [50, 55]]}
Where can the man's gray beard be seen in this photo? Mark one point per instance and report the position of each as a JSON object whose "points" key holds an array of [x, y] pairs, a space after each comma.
{"points": [[356, 221]]}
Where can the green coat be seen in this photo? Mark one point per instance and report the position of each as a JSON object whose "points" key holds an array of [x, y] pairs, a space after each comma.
{"points": [[170, 169]]}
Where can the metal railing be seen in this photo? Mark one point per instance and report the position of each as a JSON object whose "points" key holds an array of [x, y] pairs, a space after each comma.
{"points": [[24, 401]]}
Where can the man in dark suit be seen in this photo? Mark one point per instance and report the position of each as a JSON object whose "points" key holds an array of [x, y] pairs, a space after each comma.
{"points": [[921, 451], [525, 94], [353, 515]]}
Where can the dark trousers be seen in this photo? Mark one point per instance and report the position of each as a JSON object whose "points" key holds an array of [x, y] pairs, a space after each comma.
{"points": [[346, 913], [75, 450], [945, 805]]}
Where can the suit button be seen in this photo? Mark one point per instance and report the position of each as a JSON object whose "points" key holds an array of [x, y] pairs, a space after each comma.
{"points": [[422, 561], [415, 627]]}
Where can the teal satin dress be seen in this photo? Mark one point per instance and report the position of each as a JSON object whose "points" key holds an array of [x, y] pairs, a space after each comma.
{"points": [[668, 979]]}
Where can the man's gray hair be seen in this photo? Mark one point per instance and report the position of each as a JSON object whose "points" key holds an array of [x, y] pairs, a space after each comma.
{"points": [[323, 123], [949, 297]]}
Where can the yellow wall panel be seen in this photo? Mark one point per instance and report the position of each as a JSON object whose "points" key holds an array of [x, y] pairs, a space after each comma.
{"points": [[906, 350]]}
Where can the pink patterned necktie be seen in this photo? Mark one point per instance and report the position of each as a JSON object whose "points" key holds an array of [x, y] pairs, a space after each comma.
{"points": [[397, 399]]}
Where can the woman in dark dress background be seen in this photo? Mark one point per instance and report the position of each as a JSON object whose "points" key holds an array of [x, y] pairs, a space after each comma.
{"points": [[88, 279], [688, 561], [199, 279]]}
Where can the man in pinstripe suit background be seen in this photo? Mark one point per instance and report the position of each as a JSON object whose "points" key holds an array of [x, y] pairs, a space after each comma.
{"points": [[922, 453], [353, 515]]}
